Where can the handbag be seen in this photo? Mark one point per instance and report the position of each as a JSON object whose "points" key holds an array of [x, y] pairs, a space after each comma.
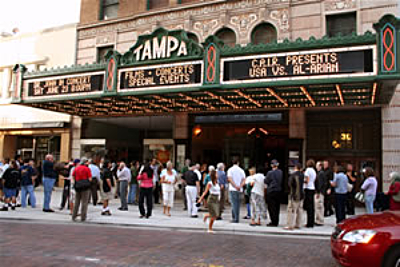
{"points": [[349, 187], [82, 185], [360, 197]]}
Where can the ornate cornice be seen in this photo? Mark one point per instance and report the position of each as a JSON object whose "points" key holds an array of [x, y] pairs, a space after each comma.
{"points": [[209, 11]]}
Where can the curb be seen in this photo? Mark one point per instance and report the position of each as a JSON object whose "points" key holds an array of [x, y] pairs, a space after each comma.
{"points": [[177, 228]]}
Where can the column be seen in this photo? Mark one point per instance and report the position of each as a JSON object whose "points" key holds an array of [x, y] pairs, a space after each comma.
{"points": [[8, 146], [181, 137], [6, 83], [297, 133], [390, 138], [76, 128]]}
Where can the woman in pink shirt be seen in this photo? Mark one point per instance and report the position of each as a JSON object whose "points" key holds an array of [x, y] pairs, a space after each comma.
{"points": [[394, 191], [146, 189]]}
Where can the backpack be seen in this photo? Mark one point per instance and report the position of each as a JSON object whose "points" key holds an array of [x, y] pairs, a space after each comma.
{"points": [[106, 187], [13, 179]]}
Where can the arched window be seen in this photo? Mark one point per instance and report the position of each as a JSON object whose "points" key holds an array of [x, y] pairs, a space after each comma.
{"points": [[227, 35], [193, 36], [263, 34]]}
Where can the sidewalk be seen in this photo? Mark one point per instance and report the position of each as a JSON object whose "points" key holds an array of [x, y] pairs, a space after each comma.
{"points": [[178, 221]]}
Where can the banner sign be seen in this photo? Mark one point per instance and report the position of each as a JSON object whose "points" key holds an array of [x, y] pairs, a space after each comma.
{"points": [[162, 76], [357, 61], [65, 85]]}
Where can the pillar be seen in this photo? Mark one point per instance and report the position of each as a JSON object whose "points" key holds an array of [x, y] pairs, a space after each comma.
{"points": [[297, 124], [8, 146], [181, 137], [76, 128], [390, 138], [298, 132], [65, 150]]}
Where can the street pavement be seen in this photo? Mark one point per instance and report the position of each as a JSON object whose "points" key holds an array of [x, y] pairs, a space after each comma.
{"points": [[34, 243], [179, 220]]}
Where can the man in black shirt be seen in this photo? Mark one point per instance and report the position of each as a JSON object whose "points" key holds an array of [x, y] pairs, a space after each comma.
{"points": [[49, 179], [321, 187], [296, 197], [106, 183], [192, 190], [273, 180], [12, 178], [328, 201], [350, 201]]}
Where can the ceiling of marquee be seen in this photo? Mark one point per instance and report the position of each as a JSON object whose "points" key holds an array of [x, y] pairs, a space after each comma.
{"points": [[328, 95]]}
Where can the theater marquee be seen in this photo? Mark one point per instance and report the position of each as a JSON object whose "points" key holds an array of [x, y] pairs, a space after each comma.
{"points": [[177, 75], [354, 61], [64, 86]]}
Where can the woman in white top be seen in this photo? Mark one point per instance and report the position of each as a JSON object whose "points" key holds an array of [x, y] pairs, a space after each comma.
{"points": [[168, 180], [213, 188], [309, 191], [256, 181]]}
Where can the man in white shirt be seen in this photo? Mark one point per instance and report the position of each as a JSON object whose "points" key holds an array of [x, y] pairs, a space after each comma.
{"points": [[124, 177], [236, 179], [309, 192], [95, 181]]}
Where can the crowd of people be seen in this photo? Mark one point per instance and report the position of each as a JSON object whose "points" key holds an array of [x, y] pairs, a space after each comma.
{"points": [[317, 191]]}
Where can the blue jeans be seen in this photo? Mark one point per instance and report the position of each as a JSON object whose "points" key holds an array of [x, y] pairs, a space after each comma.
{"points": [[132, 194], [48, 184], [235, 202], [369, 203], [28, 189]]}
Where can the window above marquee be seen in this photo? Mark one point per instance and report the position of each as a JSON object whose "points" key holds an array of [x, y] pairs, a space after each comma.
{"points": [[109, 9], [154, 4], [101, 52], [263, 34], [345, 24], [228, 36]]}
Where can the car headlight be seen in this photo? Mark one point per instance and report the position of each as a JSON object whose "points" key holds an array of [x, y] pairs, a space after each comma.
{"points": [[359, 236]]}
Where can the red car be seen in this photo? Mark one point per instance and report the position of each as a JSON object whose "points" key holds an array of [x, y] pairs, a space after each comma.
{"points": [[368, 240]]}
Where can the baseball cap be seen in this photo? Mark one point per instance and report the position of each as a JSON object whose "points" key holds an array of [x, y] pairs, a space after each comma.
{"points": [[274, 162]]}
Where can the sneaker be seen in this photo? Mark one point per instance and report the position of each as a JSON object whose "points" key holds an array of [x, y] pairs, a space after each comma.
{"points": [[4, 209], [194, 216], [219, 218], [247, 217], [122, 209], [49, 210], [13, 207]]}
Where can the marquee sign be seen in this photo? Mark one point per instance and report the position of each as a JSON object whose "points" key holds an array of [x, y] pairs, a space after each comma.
{"points": [[162, 76], [87, 83], [162, 45], [357, 61]]}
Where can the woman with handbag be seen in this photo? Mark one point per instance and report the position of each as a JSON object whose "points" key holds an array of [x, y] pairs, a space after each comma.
{"points": [[214, 193], [146, 189], [83, 178], [394, 191], [369, 187]]}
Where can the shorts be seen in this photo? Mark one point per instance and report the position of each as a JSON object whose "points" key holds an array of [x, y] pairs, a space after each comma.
{"points": [[72, 194], [106, 196], [10, 192]]}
